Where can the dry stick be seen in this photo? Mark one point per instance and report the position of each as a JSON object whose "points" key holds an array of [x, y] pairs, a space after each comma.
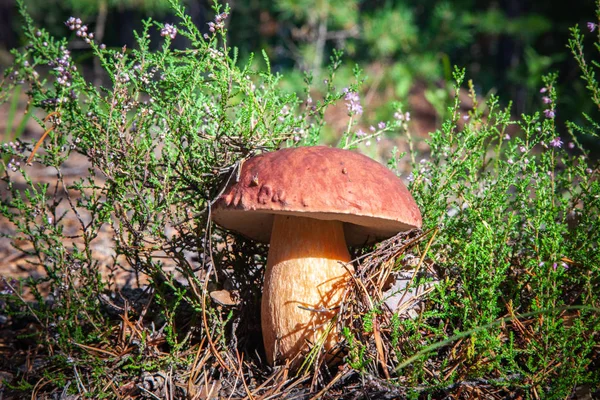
{"points": [[143, 389], [80, 386], [204, 291], [294, 384], [418, 267], [7, 283], [196, 364], [339, 376], [36, 388], [90, 348], [379, 346], [269, 379], [39, 143], [110, 383], [241, 372]]}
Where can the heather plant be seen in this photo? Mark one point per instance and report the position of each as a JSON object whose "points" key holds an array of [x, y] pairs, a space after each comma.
{"points": [[511, 241], [508, 259]]}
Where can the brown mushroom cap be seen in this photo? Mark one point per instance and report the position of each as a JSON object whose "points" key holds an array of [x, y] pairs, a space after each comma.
{"points": [[318, 182]]}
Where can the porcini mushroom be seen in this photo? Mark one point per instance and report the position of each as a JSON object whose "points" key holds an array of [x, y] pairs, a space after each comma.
{"points": [[310, 204]]}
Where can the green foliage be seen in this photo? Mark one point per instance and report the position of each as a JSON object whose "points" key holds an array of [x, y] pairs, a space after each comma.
{"points": [[514, 220], [511, 224]]}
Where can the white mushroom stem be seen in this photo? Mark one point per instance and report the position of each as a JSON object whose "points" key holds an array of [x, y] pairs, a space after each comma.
{"points": [[304, 284]]}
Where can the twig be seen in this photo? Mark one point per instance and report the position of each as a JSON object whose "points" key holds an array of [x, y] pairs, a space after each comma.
{"points": [[39, 143]]}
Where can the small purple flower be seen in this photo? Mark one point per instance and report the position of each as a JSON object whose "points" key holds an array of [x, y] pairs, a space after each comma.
{"points": [[522, 149], [465, 117], [543, 90], [7, 287], [353, 102], [507, 137], [169, 31], [554, 266], [360, 133], [588, 171], [381, 125], [13, 165], [541, 264], [549, 113], [571, 145], [372, 128], [546, 100], [556, 142], [407, 116], [399, 116], [591, 26]]}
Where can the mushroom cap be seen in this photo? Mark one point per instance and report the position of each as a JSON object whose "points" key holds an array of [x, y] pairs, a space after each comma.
{"points": [[317, 182]]}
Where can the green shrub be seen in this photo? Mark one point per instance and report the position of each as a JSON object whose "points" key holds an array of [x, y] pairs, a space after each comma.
{"points": [[511, 232]]}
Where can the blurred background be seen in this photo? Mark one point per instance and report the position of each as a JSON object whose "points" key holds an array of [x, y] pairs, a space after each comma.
{"points": [[407, 48]]}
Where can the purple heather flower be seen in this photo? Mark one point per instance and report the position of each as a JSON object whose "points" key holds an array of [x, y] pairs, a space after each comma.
{"points": [[571, 145], [554, 266], [556, 142], [13, 165], [169, 31], [353, 102], [360, 133], [591, 26], [546, 100], [549, 113], [372, 128], [381, 125], [219, 23], [7, 286], [522, 149], [543, 90], [399, 116], [507, 137], [588, 171]]}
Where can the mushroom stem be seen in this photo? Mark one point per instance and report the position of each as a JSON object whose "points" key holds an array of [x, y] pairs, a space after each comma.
{"points": [[304, 284]]}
